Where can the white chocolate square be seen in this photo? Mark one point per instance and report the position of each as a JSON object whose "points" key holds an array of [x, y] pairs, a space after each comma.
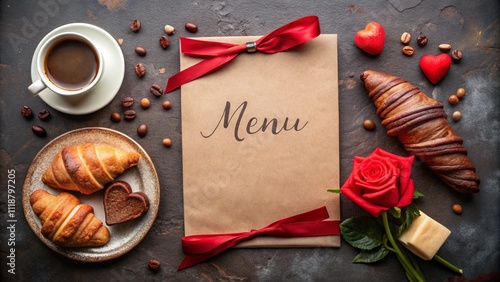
{"points": [[424, 236]]}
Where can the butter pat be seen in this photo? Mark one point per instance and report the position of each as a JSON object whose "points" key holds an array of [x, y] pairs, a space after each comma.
{"points": [[424, 236]]}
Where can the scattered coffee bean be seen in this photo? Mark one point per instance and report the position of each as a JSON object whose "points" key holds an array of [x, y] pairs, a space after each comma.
{"points": [[405, 38], [44, 115], [457, 209], [156, 90], [135, 25], [444, 47], [166, 105], [456, 116], [169, 29], [154, 265], [127, 102], [408, 50], [141, 51], [422, 40], [167, 142], [191, 27], [453, 99], [456, 55], [142, 130], [460, 93], [368, 124], [145, 103], [140, 70], [116, 117], [39, 131], [129, 114], [164, 42], [26, 112]]}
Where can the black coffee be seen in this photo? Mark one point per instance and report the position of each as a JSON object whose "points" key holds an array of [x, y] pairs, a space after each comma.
{"points": [[71, 64]]}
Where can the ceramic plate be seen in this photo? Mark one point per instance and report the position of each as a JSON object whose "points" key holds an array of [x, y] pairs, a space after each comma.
{"points": [[105, 90], [143, 177]]}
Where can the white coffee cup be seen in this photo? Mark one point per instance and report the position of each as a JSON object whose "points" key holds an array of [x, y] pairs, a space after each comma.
{"points": [[69, 64]]}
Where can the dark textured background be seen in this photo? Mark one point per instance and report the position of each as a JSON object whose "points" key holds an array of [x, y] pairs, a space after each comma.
{"points": [[471, 26]]}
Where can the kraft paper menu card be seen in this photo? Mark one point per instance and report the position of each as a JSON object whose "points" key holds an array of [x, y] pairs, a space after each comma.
{"points": [[260, 141]]}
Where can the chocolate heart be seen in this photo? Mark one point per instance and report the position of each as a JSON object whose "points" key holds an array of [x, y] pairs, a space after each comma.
{"points": [[121, 205], [435, 67]]}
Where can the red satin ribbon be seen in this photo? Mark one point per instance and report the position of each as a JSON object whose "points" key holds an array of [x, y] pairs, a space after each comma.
{"points": [[218, 54], [199, 248]]}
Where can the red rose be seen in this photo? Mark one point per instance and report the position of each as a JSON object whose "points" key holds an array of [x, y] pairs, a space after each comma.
{"points": [[380, 181]]}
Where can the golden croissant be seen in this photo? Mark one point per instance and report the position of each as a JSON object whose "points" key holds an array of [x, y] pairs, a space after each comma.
{"points": [[66, 222], [420, 124], [88, 167]]}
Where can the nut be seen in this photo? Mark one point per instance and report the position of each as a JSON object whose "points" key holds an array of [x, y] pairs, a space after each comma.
{"points": [[453, 99], [422, 40], [154, 265], [145, 103], [166, 105], [405, 38], [460, 93], [368, 124], [116, 117], [140, 70], [457, 209], [408, 50], [444, 47], [456, 55], [191, 27], [135, 25], [167, 142], [456, 116], [169, 29], [142, 130], [164, 42]]}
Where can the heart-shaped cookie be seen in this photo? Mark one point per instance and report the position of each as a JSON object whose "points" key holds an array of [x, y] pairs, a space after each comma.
{"points": [[121, 205], [371, 39], [435, 67]]}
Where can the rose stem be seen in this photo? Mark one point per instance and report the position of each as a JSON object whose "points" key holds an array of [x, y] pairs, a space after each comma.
{"points": [[448, 264], [406, 264]]}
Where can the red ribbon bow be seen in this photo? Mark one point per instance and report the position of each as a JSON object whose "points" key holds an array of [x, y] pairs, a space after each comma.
{"points": [[220, 53], [199, 248]]}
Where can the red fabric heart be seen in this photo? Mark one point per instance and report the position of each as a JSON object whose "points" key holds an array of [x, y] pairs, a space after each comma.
{"points": [[435, 67], [371, 39]]}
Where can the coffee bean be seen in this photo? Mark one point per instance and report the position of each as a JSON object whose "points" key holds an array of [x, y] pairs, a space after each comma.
{"points": [[166, 105], [39, 131], [141, 51], [444, 47], [405, 38], [127, 102], [368, 124], [129, 114], [142, 130], [135, 25], [422, 40], [156, 90], [169, 29], [457, 209], [164, 42], [456, 55], [191, 27], [408, 50], [140, 70], [154, 265], [116, 117], [145, 103], [44, 115], [26, 112]]}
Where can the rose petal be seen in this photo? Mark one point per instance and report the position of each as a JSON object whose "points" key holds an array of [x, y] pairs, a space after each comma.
{"points": [[372, 209]]}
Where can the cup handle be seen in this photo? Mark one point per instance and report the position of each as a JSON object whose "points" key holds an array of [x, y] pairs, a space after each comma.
{"points": [[36, 87]]}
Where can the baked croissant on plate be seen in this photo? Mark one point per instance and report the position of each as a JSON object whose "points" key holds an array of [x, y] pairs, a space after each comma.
{"points": [[88, 167], [66, 222], [420, 124]]}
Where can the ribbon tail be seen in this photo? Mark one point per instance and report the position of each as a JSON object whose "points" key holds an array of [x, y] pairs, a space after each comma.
{"points": [[196, 71]]}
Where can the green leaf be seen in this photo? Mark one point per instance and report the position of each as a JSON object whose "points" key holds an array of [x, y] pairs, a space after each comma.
{"points": [[409, 214], [362, 232], [395, 212], [337, 191], [417, 194], [371, 256]]}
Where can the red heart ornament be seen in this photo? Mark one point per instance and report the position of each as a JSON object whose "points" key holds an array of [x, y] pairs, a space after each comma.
{"points": [[371, 39], [121, 205], [435, 67]]}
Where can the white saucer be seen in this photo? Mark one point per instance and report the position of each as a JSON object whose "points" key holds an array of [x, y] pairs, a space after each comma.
{"points": [[105, 90]]}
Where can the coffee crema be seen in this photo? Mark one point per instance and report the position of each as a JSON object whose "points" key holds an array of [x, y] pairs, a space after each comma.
{"points": [[71, 64]]}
